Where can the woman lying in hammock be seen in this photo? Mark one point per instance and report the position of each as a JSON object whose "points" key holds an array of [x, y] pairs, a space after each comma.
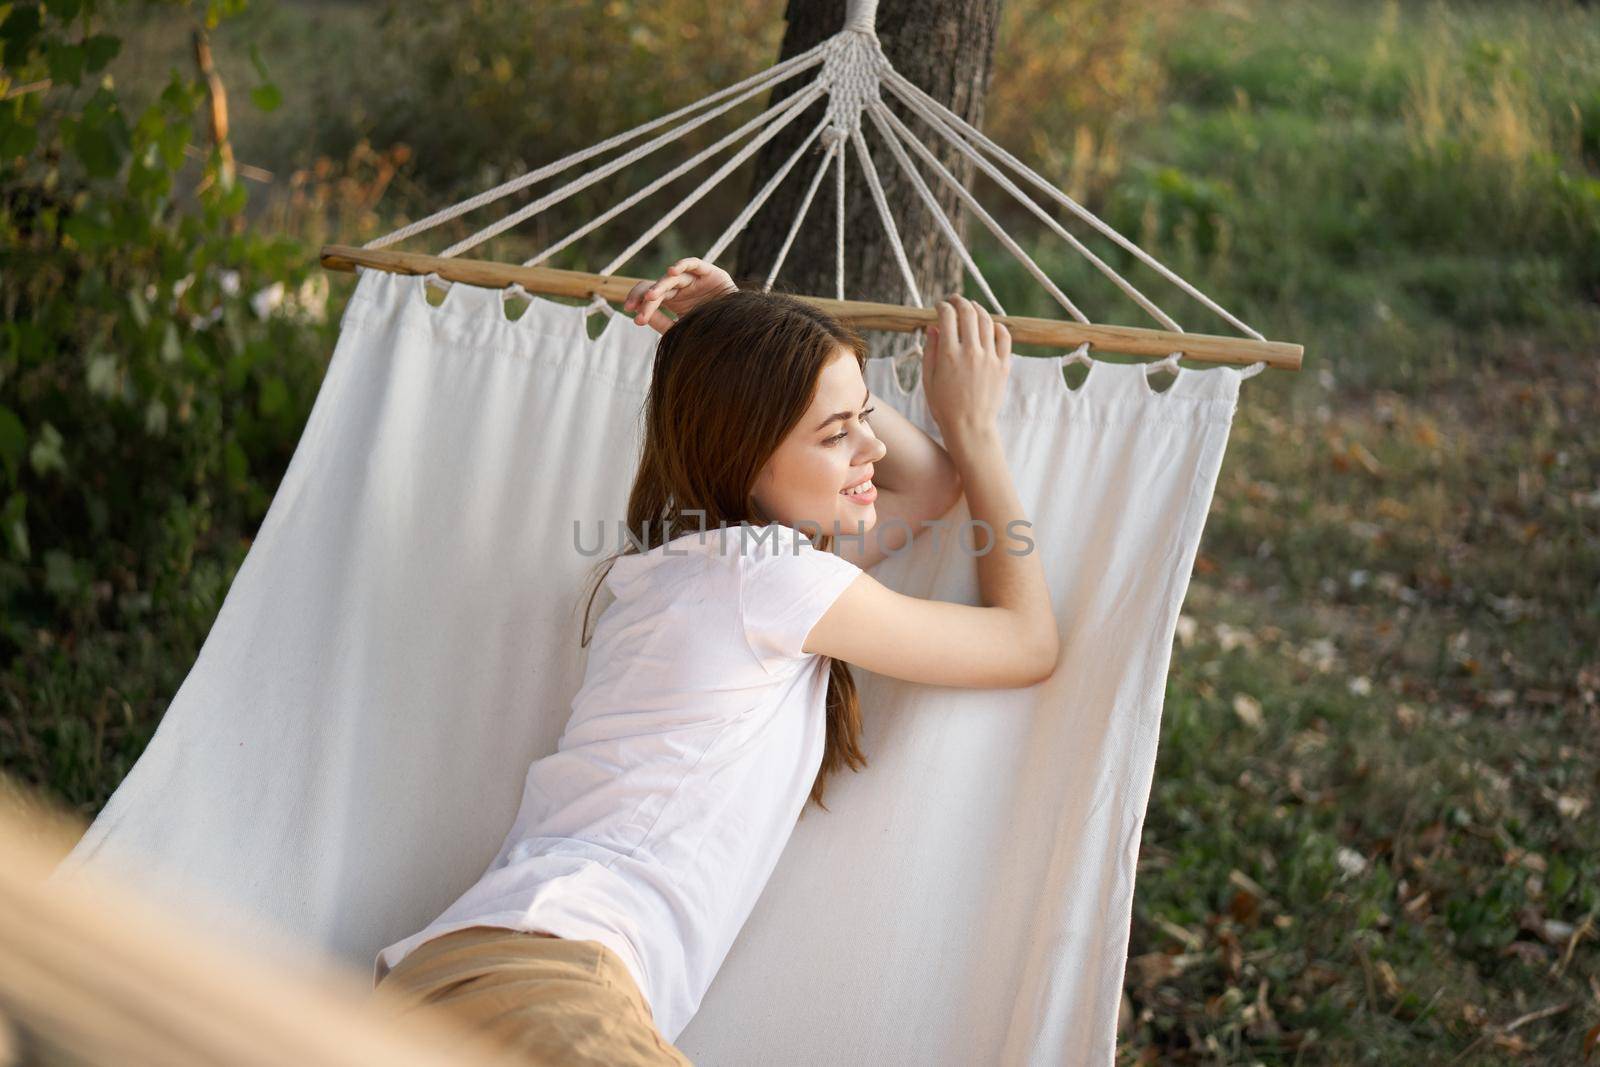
{"points": [[717, 695]]}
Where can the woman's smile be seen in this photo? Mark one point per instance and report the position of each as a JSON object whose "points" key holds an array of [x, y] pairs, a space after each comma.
{"points": [[861, 492]]}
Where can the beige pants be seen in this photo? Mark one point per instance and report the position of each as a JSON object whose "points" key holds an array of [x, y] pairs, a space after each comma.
{"points": [[555, 1001]]}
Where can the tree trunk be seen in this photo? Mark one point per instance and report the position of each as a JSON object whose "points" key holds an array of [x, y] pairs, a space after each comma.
{"points": [[946, 47]]}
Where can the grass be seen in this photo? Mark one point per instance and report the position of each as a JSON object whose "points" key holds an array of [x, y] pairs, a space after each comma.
{"points": [[1372, 833], [1372, 837]]}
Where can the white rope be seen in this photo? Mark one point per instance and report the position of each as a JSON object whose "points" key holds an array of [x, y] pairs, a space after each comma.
{"points": [[931, 110], [565, 191], [1169, 362], [739, 222], [977, 209], [933, 206], [794, 107], [895, 244], [897, 81], [799, 216], [599, 303], [860, 17], [853, 71], [889, 227], [939, 126], [838, 209], [778, 73]]}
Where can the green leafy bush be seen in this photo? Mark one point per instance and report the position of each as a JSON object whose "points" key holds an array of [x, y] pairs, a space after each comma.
{"points": [[157, 358]]}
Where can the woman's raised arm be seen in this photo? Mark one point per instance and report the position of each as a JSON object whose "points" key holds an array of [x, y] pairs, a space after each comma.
{"points": [[1010, 641]]}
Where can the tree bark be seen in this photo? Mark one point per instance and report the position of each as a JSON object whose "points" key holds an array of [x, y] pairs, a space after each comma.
{"points": [[946, 47]]}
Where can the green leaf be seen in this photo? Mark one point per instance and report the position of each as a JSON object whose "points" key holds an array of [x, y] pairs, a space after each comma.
{"points": [[13, 440], [232, 327], [18, 32], [173, 139], [99, 511], [256, 62], [14, 524], [235, 462], [274, 397], [233, 200], [141, 310], [60, 574], [16, 139], [103, 376], [65, 62], [171, 346], [1561, 879], [194, 356], [266, 97], [101, 142], [100, 49], [237, 370], [46, 454], [85, 230], [155, 417]]}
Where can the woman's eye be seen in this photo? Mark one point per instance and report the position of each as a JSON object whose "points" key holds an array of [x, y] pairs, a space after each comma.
{"points": [[836, 438]]}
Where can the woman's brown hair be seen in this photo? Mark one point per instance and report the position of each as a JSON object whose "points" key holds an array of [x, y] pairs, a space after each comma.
{"points": [[732, 377]]}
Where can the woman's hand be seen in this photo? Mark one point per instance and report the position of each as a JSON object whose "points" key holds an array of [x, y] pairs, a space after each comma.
{"points": [[965, 362], [686, 283]]}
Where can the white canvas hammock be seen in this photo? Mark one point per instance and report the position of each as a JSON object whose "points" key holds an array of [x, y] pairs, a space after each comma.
{"points": [[348, 751]]}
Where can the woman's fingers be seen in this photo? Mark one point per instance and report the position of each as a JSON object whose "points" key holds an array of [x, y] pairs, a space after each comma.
{"points": [[685, 284], [641, 303], [985, 329], [638, 294], [968, 314], [678, 289], [648, 297], [949, 327], [690, 263], [706, 279], [980, 331]]}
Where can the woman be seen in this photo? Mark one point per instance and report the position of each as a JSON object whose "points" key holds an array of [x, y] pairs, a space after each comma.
{"points": [[716, 696]]}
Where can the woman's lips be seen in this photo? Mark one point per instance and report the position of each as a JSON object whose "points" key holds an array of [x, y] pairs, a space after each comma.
{"points": [[861, 498]]}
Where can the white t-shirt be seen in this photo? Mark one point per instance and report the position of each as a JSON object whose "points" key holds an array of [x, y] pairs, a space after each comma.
{"points": [[691, 751]]}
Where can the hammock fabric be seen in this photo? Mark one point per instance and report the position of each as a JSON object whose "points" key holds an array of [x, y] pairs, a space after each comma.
{"points": [[401, 641]]}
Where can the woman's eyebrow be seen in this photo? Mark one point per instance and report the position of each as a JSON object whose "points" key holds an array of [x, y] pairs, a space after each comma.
{"points": [[840, 415]]}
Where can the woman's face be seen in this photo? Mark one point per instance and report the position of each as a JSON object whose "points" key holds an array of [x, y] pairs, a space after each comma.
{"points": [[831, 449]]}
